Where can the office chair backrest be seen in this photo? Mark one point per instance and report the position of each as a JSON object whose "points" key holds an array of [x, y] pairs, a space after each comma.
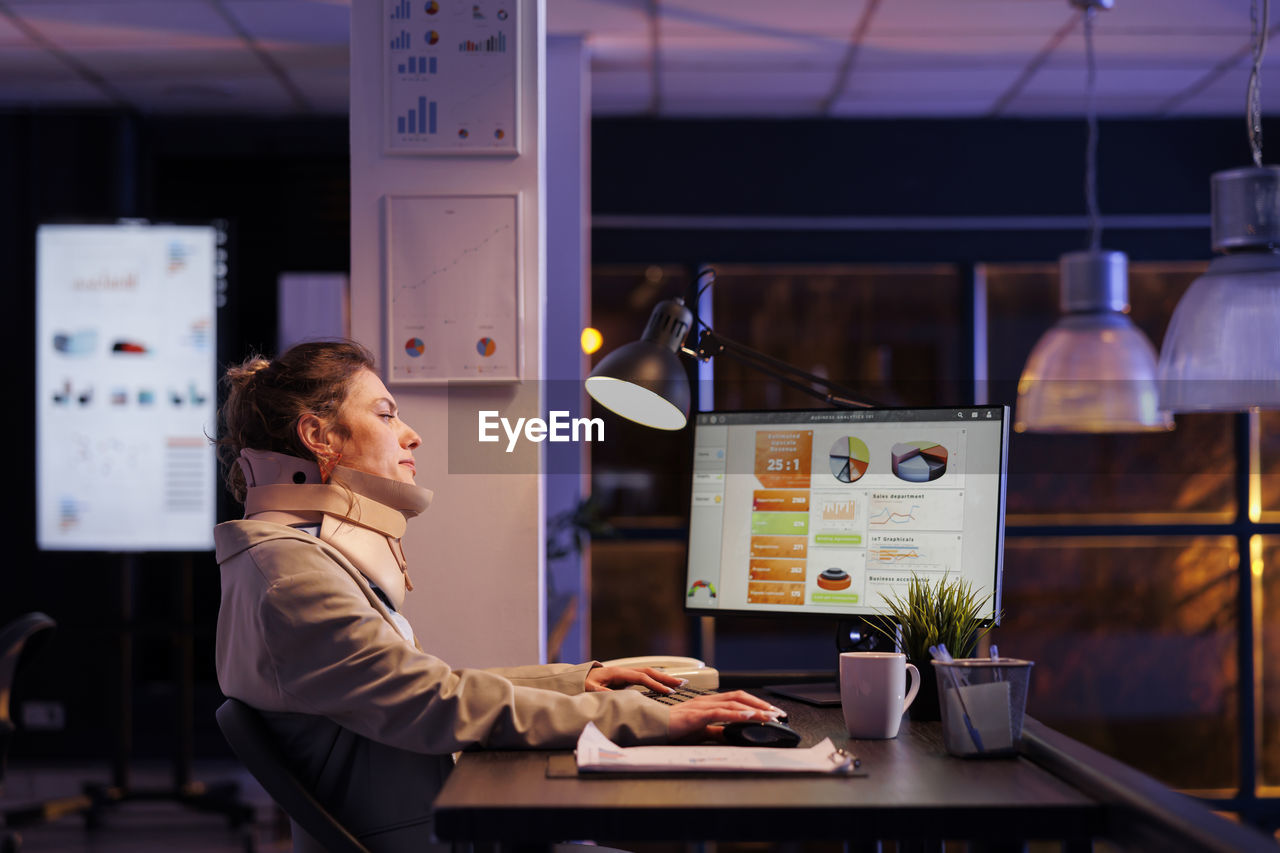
{"points": [[14, 637], [252, 742]]}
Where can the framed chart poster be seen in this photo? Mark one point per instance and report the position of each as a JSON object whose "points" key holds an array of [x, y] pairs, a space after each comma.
{"points": [[454, 304], [451, 73]]}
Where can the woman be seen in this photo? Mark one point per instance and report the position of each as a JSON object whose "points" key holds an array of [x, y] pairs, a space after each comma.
{"points": [[310, 630]]}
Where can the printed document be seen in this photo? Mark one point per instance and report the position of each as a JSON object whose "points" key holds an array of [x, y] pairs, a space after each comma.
{"points": [[596, 753]]}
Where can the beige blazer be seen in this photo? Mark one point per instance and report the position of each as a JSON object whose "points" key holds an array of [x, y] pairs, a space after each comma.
{"points": [[368, 719]]}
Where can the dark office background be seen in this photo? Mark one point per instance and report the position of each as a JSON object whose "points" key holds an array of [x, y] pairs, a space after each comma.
{"points": [[283, 189]]}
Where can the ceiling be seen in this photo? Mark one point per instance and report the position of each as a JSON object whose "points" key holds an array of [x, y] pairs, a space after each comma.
{"points": [[685, 58]]}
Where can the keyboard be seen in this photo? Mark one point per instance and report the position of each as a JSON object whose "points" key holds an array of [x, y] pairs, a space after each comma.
{"points": [[684, 694]]}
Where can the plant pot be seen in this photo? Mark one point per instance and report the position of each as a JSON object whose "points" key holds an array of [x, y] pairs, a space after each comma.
{"points": [[925, 708]]}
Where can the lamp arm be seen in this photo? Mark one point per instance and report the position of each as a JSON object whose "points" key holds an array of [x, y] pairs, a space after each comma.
{"points": [[711, 344]]}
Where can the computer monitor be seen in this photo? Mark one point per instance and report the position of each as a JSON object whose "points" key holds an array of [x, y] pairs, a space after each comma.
{"points": [[826, 511]]}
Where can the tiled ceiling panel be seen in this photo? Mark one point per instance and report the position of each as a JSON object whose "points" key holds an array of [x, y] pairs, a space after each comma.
{"points": [[31, 77], [132, 25], [1155, 84], [764, 92], [899, 93], [1011, 52], [769, 20], [1178, 15], [708, 57], [1225, 96], [293, 21], [172, 64], [1160, 50], [210, 94], [597, 19], [960, 19]]}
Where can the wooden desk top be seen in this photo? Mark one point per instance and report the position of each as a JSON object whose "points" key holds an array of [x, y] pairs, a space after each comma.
{"points": [[912, 789]]}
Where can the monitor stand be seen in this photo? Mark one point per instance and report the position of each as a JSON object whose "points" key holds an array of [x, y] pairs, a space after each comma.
{"points": [[852, 635]]}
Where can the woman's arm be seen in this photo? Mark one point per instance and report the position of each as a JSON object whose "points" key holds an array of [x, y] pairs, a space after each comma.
{"points": [[297, 634], [584, 677]]}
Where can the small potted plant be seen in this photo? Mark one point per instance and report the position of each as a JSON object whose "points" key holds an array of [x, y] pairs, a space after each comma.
{"points": [[947, 611]]}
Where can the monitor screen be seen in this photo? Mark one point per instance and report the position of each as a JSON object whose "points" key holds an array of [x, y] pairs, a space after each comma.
{"points": [[125, 385], [826, 512]]}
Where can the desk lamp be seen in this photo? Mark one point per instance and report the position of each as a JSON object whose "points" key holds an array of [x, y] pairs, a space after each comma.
{"points": [[645, 381], [1222, 351]]}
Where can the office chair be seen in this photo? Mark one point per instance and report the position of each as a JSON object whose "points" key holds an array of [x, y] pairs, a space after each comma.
{"points": [[18, 636], [252, 742]]}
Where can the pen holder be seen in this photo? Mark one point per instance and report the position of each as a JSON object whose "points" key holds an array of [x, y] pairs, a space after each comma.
{"points": [[983, 701]]}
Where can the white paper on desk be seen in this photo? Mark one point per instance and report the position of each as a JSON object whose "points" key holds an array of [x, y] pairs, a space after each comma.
{"points": [[596, 753]]}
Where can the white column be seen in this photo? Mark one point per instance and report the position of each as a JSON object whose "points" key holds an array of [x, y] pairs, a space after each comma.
{"points": [[476, 556]]}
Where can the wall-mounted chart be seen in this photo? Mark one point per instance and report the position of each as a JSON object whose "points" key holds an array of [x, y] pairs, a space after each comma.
{"points": [[126, 373], [453, 288], [451, 77]]}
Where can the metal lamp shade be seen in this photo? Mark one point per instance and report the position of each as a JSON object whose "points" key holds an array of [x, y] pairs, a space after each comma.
{"points": [[1094, 371], [1222, 350], [645, 381]]}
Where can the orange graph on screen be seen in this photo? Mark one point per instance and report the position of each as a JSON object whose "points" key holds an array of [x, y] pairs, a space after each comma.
{"points": [[839, 511], [888, 516], [782, 458], [893, 555]]}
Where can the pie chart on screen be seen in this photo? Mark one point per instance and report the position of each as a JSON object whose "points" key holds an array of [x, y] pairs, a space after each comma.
{"points": [[415, 347], [486, 347], [919, 461], [849, 459]]}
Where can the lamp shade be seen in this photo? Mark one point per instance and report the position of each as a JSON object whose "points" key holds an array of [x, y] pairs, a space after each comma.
{"points": [[1221, 352], [1094, 371], [644, 381]]}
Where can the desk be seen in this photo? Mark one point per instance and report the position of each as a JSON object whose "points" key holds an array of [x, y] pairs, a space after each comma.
{"points": [[912, 790]]}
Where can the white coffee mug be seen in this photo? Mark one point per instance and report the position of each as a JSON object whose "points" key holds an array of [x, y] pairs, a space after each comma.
{"points": [[872, 685]]}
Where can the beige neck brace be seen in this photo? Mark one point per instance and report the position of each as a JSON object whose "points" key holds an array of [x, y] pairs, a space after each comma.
{"points": [[362, 515]]}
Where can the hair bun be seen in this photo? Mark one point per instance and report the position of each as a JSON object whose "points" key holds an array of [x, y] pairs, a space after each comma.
{"points": [[241, 374]]}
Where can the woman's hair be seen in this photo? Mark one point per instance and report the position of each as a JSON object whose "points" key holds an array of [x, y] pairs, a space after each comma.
{"points": [[265, 399]]}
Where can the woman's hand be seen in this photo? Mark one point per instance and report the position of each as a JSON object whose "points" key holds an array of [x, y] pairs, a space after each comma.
{"points": [[696, 719], [608, 677]]}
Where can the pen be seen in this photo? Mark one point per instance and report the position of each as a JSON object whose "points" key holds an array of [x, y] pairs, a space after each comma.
{"points": [[845, 760]]}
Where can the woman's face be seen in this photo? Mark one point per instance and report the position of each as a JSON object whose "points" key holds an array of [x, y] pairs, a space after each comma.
{"points": [[380, 442]]}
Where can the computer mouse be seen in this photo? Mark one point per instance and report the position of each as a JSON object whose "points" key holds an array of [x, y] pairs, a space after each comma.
{"points": [[760, 733]]}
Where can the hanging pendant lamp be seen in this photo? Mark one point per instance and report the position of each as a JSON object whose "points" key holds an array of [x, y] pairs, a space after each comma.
{"points": [[1094, 371], [1221, 352]]}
